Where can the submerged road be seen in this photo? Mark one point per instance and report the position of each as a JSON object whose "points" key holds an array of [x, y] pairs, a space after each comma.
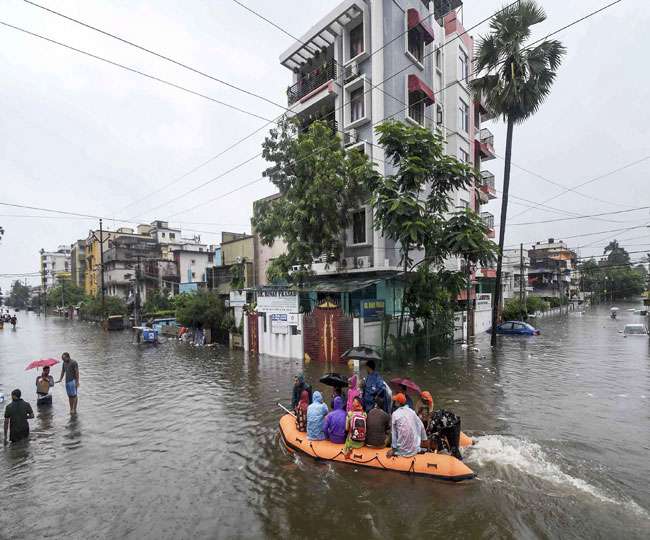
{"points": [[179, 442]]}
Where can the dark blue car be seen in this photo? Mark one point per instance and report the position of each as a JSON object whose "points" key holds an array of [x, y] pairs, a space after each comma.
{"points": [[517, 328]]}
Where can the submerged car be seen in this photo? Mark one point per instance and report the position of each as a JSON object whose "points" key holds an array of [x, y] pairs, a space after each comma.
{"points": [[635, 330], [517, 328]]}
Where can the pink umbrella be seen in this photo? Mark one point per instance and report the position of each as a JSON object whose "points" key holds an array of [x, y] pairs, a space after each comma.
{"points": [[410, 385], [43, 362]]}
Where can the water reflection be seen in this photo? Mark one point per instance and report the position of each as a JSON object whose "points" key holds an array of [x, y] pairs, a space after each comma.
{"points": [[177, 441]]}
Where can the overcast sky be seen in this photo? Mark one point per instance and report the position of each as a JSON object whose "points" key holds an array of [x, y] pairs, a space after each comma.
{"points": [[84, 136]]}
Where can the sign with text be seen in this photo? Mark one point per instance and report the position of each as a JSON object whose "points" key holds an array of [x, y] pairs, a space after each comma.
{"points": [[277, 301], [373, 310], [237, 299], [483, 301], [279, 323]]}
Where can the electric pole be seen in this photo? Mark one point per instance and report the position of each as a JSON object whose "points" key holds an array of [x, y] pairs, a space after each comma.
{"points": [[101, 259], [521, 278]]}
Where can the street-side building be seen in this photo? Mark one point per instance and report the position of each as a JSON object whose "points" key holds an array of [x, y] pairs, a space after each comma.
{"points": [[54, 265], [235, 249], [130, 266], [192, 261], [551, 266], [515, 273], [78, 263]]}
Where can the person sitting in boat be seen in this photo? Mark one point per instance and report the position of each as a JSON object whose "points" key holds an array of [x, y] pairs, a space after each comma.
{"points": [[444, 433], [409, 401], [425, 407], [316, 413], [299, 385], [353, 385], [301, 412], [378, 425], [407, 430], [334, 425], [356, 426], [373, 385], [337, 391], [44, 383]]}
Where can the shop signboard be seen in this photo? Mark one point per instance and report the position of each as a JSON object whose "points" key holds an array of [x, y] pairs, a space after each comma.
{"points": [[279, 323], [484, 301], [373, 310], [237, 299], [277, 301]]}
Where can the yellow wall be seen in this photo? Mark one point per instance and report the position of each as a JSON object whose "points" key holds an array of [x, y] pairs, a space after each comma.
{"points": [[243, 248]]}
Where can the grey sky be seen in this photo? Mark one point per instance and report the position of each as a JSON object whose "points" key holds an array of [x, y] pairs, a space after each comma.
{"points": [[84, 136]]}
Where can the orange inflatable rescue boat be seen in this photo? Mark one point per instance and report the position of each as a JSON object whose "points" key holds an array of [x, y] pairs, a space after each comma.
{"points": [[441, 466]]}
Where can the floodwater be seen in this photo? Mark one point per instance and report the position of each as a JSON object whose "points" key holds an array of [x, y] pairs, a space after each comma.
{"points": [[179, 442]]}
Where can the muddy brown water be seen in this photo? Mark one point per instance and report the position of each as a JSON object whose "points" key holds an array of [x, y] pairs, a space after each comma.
{"points": [[179, 442]]}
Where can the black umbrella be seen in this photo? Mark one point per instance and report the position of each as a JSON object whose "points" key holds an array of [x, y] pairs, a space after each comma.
{"points": [[361, 353], [334, 379]]}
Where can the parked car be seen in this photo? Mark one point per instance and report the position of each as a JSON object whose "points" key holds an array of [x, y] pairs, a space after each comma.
{"points": [[517, 328], [635, 330]]}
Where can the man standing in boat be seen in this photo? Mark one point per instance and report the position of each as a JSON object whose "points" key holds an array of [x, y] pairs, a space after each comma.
{"points": [[70, 369]]}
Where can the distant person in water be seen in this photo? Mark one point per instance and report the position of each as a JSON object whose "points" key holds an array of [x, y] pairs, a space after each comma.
{"points": [[70, 369], [17, 414]]}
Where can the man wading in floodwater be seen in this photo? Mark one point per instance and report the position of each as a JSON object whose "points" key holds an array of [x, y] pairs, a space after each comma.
{"points": [[70, 369]]}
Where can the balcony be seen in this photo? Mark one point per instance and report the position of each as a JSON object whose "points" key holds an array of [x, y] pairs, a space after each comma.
{"points": [[488, 221], [313, 83], [487, 186], [327, 119], [482, 111], [485, 144]]}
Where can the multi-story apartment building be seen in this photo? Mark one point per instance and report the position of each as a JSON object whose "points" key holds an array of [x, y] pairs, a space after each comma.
{"points": [[54, 265], [515, 273], [371, 60], [552, 265], [78, 263]]}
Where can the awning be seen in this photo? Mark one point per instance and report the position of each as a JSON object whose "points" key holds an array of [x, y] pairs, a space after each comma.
{"points": [[415, 21], [417, 85]]}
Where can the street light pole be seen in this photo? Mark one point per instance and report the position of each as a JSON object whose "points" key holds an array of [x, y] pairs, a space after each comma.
{"points": [[101, 259]]}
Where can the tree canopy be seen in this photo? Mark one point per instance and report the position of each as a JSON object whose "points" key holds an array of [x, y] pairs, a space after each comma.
{"points": [[19, 295], [614, 275]]}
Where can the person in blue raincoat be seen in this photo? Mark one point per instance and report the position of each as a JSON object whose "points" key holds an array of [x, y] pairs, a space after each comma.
{"points": [[373, 386], [316, 413]]}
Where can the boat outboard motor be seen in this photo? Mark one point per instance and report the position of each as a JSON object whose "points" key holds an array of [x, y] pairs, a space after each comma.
{"points": [[444, 432]]}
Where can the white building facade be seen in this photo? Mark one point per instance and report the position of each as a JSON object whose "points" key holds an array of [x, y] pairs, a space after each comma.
{"points": [[54, 265]]}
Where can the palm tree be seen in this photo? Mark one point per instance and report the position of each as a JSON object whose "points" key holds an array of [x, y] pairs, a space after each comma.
{"points": [[514, 83]]}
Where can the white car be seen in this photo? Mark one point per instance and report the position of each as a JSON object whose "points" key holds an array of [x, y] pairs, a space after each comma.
{"points": [[635, 330]]}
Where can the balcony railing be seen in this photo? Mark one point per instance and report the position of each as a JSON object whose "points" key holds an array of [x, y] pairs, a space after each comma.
{"points": [[487, 179], [486, 137], [312, 80], [488, 219]]}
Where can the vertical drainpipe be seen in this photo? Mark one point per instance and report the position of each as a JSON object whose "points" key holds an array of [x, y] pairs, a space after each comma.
{"points": [[377, 59]]}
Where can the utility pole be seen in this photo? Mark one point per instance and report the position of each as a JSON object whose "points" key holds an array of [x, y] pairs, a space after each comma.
{"points": [[101, 259], [521, 277]]}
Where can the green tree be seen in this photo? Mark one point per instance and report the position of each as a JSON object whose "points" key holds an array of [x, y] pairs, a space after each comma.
{"points": [[157, 300], [467, 236], [319, 183], [19, 295], [515, 82], [70, 293], [238, 275], [200, 309], [616, 254], [412, 205], [93, 307]]}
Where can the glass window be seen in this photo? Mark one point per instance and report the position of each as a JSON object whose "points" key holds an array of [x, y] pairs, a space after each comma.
{"points": [[416, 44], [463, 65], [193, 261], [193, 275], [356, 105], [356, 41], [463, 155], [416, 107], [359, 227], [172, 235], [463, 116], [438, 58], [163, 235]]}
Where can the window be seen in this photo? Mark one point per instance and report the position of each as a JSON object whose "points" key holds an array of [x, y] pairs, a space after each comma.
{"points": [[356, 105], [163, 235], [438, 58], [359, 227], [193, 275], [463, 65], [416, 44], [463, 116], [439, 115], [416, 107], [193, 261], [356, 41], [172, 236], [463, 155], [464, 204]]}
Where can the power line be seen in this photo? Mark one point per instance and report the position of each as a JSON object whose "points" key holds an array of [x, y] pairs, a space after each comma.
{"points": [[580, 217], [133, 70]]}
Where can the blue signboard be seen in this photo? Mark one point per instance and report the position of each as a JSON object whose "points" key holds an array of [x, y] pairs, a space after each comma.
{"points": [[373, 310], [188, 287]]}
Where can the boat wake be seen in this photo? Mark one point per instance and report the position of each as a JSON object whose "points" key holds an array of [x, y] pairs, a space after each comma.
{"points": [[529, 458]]}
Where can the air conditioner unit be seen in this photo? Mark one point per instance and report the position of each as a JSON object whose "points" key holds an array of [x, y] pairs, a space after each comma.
{"points": [[351, 71], [352, 137], [349, 262], [363, 262]]}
